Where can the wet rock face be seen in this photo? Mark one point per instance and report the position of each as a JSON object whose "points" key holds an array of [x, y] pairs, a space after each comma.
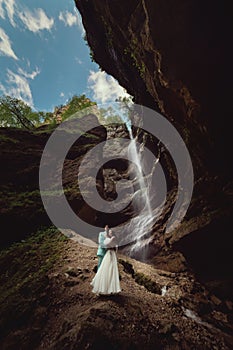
{"points": [[21, 207], [172, 57], [175, 58], [116, 169]]}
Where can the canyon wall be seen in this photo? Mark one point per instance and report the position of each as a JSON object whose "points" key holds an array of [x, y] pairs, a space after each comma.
{"points": [[175, 57]]}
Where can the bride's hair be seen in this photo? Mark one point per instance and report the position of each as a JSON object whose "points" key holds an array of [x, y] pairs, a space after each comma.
{"points": [[113, 242], [109, 233]]}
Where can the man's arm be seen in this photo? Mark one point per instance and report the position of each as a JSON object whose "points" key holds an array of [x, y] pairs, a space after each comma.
{"points": [[101, 240]]}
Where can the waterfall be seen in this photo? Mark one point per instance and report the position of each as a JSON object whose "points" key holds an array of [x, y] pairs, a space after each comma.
{"points": [[142, 223], [147, 179], [135, 156]]}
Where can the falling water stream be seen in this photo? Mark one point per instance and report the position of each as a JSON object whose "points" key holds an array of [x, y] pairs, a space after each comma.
{"points": [[146, 199], [142, 223], [135, 156]]}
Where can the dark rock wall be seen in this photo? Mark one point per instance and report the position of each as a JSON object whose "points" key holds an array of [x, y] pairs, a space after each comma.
{"points": [[21, 206], [176, 57]]}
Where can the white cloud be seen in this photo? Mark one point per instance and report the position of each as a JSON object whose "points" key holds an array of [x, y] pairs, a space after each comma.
{"points": [[7, 6], [29, 75], [5, 45], [17, 85], [2, 12], [78, 60], [37, 20], [68, 18], [62, 94], [33, 20], [71, 19], [105, 87]]}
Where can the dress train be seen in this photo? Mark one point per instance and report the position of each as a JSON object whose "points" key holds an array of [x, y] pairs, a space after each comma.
{"points": [[106, 280]]}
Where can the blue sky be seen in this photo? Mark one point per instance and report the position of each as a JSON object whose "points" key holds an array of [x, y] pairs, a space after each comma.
{"points": [[44, 59]]}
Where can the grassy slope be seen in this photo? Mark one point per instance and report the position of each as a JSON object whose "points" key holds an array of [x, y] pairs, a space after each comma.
{"points": [[24, 268]]}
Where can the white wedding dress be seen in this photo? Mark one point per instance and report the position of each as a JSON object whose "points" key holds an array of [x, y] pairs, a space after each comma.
{"points": [[106, 280]]}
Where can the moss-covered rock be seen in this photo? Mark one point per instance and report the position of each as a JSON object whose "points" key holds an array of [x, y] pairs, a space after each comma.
{"points": [[24, 268], [147, 282]]}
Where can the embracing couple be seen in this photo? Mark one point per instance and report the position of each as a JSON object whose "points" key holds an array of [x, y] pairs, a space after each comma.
{"points": [[106, 280]]}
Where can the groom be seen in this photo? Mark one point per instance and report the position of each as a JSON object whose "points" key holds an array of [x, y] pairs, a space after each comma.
{"points": [[101, 248]]}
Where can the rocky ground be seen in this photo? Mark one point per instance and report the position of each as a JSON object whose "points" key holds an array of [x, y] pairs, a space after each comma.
{"points": [[184, 315], [46, 300]]}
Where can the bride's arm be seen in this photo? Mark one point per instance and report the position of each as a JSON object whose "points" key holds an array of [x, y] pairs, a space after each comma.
{"points": [[109, 242]]}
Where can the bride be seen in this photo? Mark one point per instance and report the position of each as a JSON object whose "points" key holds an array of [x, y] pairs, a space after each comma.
{"points": [[106, 280]]}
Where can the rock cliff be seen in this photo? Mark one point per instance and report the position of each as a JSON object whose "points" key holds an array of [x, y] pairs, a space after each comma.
{"points": [[21, 207], [175, 58]]}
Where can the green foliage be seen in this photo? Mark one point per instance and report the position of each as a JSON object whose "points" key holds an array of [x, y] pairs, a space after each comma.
{"points": [[132, 51], [16, 113], [10, 200], [75, 104], [4, 138], [145, 281], [92, 56], [91, 51], [44, 118], [24, 270], [108, 116], [140, 277], [108, 32], [127, 266]]}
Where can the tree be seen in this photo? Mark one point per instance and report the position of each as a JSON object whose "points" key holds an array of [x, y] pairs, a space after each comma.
{"points": [[109, 116], [44, 118], [16, 113], [118, 113], [75, 104]]}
